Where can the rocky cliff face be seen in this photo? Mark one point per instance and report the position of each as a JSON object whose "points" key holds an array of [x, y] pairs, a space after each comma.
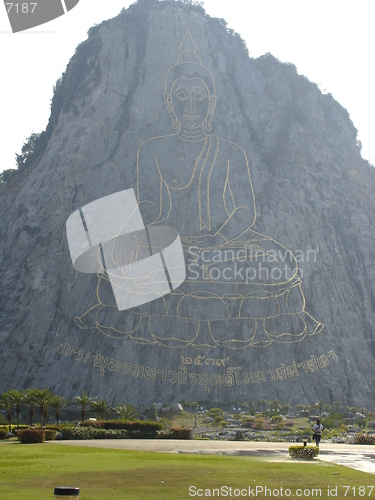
{"points": [[314, 198]]}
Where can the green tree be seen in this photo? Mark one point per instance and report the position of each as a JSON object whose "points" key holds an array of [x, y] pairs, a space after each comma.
{"points": [[32, 149], [150, 413], [303, 407], [5, 175], [263, 403], [320, 405], [7, 403], [18, 397], [31, 413], [189, 404], [250, 406], [275, 406], [337, 406], [84, 401], [285, 408], [42, 398], [101, 407], [127, 411], [194, 3], [56, 403]]}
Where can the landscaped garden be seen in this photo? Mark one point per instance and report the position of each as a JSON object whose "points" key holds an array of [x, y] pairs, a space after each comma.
{"points": [[32, 471], [85, 417]]}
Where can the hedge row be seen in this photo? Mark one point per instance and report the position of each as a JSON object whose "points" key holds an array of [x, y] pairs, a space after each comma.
{"points": [[303, 452], [31, 436], [137, 429], [56, 428], [35, 435], [14, 427], [175, 433], [93, 433], [3, 433]]}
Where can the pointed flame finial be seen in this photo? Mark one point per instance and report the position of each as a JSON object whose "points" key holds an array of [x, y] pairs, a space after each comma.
{"points": [[188, 50], [188, 43]]}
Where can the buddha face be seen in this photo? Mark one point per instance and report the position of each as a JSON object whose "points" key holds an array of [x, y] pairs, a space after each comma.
{"points": [[190, 103]]}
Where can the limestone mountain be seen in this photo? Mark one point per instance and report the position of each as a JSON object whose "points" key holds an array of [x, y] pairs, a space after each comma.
{"points": [[259, 178]]}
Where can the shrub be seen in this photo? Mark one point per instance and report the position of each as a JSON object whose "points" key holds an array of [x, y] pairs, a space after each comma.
{"points": [[75, 432], [303, 452], [137, 429], [3, 433], [93, 433], [365, 439], [110, 434], [259, 422], [14, 427], [53, 428], [175, 433], [276, 419], [361, 422], [215, 412], [248, 423], [333, 421], [49, 434], [31, 436]]}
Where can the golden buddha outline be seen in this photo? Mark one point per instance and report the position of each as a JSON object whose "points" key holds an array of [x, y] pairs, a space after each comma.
{"points": [[176, 176]]}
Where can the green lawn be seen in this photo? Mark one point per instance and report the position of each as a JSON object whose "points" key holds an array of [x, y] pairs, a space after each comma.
{"points": [[31, 471]]}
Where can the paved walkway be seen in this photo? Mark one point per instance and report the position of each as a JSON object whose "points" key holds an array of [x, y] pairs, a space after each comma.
{"points": [[358, 457]]}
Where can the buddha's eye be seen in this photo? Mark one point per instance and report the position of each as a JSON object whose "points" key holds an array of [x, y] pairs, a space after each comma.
{"points": [[198, 97], [181, 96]]}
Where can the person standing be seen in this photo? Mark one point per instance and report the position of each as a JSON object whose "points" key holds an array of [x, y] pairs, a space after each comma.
{"points": [[317, 429]]}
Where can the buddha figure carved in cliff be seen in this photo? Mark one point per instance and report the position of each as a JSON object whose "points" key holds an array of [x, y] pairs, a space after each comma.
{"points": [[242, 288]]}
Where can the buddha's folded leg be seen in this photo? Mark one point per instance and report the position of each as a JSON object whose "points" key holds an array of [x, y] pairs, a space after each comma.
{"points": [[234, 333], [313, 326], [171, 331], [285, 328]]}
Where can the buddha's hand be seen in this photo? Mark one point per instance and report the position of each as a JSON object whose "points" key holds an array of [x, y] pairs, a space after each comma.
{"points": [[204, 241]]}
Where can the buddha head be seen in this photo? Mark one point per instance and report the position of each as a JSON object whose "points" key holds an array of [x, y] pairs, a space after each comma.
{"points": [[190, 90]]}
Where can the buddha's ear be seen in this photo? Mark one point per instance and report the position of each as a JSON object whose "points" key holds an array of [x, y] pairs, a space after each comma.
{"points": [[169, 105], [212, 105], [168, 101]]}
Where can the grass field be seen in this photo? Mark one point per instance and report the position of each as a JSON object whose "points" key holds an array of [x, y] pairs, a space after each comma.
{"points": [[32, 471]]}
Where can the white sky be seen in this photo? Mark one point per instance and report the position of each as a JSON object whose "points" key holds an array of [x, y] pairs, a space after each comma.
{"points": [[331, 42]]}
